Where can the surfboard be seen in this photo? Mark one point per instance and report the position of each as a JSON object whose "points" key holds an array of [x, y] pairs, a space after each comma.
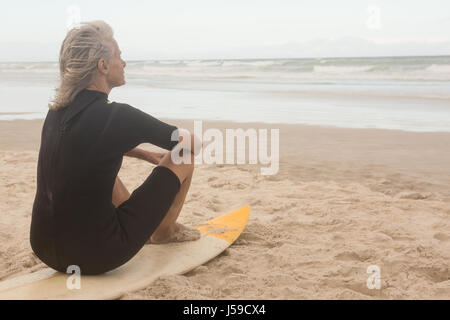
{"points": [[151, 262]]}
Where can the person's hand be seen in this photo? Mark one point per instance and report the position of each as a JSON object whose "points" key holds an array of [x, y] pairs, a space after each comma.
{"points": [[192, 143], [154, 157]]}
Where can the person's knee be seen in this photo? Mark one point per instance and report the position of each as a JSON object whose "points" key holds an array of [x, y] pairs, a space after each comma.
{"points": [[182, 170]]}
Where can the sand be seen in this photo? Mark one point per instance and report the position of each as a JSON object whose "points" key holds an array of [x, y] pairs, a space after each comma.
{"points": [[343, 200]]}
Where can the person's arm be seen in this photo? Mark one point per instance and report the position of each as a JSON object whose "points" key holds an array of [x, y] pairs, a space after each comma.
{"points": [[142, 154], [136, 127]]}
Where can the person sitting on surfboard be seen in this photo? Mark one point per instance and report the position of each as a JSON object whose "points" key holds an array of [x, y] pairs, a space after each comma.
{"points": [[82, 213]]}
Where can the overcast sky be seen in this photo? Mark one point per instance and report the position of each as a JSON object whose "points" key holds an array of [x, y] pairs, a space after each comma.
{"points": [[206, 29]]}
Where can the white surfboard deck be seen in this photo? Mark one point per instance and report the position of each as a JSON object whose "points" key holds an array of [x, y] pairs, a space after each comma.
{"points": [[151, 262]]}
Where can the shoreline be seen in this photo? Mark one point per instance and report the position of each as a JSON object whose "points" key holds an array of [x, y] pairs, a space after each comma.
{"points": [[32, 125], [247, 123]]}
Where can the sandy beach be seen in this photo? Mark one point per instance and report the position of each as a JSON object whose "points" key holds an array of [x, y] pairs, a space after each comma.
{"points": [[343, 200]]}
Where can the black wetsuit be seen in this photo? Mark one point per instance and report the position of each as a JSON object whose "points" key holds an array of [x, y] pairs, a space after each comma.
{"points": [[74, 221]]}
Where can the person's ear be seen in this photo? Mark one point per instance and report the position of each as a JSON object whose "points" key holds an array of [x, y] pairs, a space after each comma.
{"points": [[102, 66]]}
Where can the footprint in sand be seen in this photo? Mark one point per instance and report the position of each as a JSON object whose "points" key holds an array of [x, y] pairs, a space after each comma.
{"points": [[255, 202], [352, 256], [214, 205], [219, 185], [442, 236], [415, 195]]}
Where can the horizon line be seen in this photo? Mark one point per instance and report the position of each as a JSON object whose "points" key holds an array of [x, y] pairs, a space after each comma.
{"points": [[298, 58]]}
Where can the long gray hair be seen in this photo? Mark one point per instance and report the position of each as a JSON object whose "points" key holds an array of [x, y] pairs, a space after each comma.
{"points": [[78, 58]]}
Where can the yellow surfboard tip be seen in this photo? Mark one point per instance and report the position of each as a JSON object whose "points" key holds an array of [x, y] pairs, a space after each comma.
{"points": [[227, 227]]}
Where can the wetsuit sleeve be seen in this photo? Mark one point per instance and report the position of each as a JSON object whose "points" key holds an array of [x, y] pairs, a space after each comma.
{"points": [[139, 127]]}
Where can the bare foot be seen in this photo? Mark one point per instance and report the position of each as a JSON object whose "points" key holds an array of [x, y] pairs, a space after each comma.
{"points": [[182, 233]]}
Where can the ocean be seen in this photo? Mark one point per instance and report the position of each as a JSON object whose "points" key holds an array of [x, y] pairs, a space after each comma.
{"points": [[404, 93]]}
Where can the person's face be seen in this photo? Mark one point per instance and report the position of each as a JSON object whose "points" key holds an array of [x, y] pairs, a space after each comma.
{"points": [[115, 68]]}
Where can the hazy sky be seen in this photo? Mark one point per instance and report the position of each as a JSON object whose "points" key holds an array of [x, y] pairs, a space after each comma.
{"points": [[202, 29]]}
